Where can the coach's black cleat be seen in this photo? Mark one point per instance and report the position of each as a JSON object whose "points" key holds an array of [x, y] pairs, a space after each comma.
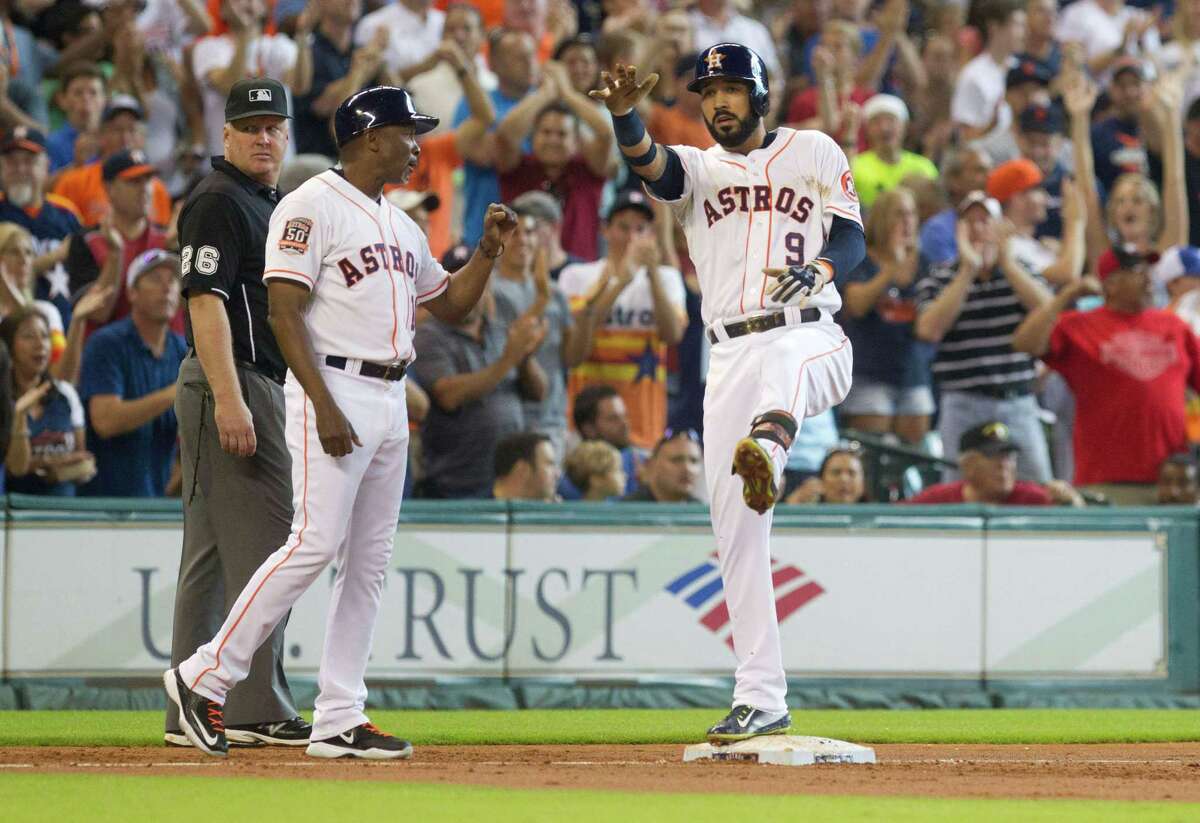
{"points": [[200, 718], [365, 741], [745, 722], [294, 732]]}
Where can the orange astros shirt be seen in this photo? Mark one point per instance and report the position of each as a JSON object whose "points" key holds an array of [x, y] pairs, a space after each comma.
{"points": [[628, 353]]}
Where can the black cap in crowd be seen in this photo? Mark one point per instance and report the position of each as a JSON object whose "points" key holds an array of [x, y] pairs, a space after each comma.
{"points": [[23, 138], [126, 165], [457, 257], [1141, 68], [631, 199], [257, 97], [122, 103], [988, 438], [1029, 71], [1040, 117]]}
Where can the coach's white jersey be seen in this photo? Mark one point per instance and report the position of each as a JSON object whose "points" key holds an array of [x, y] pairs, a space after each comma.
{"points": [[770, 208], [366, 262]]}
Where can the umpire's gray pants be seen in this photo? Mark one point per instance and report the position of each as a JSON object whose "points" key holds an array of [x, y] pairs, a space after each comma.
{"points": [[962, 410], [236, 512]]}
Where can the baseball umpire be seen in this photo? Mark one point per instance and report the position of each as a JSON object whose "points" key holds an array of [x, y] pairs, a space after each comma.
{"points": [[237, 491]]}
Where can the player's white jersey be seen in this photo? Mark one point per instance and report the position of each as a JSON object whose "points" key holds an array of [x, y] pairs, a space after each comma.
{"points": [[770, 208], [366, 262]]}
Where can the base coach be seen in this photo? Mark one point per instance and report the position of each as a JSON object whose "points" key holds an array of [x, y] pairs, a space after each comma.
{"points": [[237, 490]]}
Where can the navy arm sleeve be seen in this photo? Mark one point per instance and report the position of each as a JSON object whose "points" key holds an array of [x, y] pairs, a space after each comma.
{"points": [[846, 246], [670, 185]]}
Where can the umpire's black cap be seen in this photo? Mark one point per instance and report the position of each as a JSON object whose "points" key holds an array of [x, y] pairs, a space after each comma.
{"points": [[375, 107], [256, 97]]}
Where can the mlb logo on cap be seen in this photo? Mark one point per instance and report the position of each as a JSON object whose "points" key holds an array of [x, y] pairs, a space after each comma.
{"points": [[260, 95]]}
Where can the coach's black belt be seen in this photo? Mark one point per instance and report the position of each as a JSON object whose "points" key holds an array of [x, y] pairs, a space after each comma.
{"points": [[763, 322], [368, 369]]}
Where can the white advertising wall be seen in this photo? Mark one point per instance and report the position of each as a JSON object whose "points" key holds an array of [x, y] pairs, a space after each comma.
{"points": [[605, 602]]}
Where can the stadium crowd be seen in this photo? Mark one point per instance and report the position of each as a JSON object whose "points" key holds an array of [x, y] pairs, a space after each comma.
{"points": [[1026, 312]]}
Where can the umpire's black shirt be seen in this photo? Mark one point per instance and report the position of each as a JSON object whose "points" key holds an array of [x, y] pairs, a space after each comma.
{"points": [[222, 244]]}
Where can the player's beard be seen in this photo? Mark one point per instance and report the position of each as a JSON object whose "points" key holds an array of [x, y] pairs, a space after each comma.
{"points": [[20, 194], [738, 136]]}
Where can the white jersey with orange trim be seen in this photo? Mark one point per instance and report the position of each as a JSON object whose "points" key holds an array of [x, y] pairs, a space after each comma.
{"points": [[771, 208], [366, 262]]}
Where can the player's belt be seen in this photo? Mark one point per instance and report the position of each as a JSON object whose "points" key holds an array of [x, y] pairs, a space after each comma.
{"points": [[366, 368], [761, 323]]}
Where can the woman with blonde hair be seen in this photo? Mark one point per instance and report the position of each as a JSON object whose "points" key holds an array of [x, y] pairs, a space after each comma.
{"points": [[892, 389], [595, 469]]}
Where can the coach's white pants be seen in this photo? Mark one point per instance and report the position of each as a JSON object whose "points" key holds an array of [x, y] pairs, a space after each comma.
{"points": [[345, 511], [802, 370]]}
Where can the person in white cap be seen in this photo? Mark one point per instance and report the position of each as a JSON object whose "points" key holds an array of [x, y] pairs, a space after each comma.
{"points": [[885, 163], [971, 307]]}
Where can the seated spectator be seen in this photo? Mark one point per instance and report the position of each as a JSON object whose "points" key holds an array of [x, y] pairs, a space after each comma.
{"points": [[599, 414], [595, 468], [1017, 187], [558, 160], [51, 429], [122, 129], [671, 473], [892, 389], [1128, 365], [644, 302], [978, 107], [971, 310], [127, 385], [526, 468], [82, 94], [244, 47], [885, 163], [1178, 481], [963, 172], [841, 479], [49, 218], [477, 378], [987, 459], [547, 228], [101, 254]]}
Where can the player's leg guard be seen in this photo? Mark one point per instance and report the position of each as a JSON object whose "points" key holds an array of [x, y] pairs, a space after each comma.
{"points": [[753, 463]]}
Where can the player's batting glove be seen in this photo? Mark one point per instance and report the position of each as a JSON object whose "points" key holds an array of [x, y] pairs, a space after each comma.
{"points": [[804, 280]]}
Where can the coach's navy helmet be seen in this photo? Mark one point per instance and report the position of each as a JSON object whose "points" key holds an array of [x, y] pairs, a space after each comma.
{"points": [[738, 62], [375, 107]]}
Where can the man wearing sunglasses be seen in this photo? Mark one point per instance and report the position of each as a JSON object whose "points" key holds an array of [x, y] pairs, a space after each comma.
{"points": [[671, 473]]}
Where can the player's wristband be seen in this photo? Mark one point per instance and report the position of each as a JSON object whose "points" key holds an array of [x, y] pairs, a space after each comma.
{"points": [[499, 252], [629, 129], [643, 159]]}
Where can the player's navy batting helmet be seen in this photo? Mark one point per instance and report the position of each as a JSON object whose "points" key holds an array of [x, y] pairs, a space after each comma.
{"points": [[375, 107], [738, 62]]}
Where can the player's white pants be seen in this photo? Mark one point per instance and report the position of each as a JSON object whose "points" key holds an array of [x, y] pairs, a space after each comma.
{"points": [[345, 511], [803, 370]]}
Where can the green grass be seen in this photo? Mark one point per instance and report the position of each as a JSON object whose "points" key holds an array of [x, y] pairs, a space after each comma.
{"points": [[128, 799], [103, 728]]}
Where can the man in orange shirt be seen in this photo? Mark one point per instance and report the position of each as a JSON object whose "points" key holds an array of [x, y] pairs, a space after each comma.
{"points": [[122, 128]]}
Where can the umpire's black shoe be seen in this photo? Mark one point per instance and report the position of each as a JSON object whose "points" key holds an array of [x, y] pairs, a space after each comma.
{"points": [[199, 717], [745, 722], [294, 732], [363, 741]]}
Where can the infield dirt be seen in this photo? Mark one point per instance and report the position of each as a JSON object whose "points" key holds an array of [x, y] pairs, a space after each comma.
{"points": [[1147, 771]]}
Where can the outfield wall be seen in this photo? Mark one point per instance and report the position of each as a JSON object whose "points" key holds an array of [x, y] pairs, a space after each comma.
{"points": [[869, 596]]}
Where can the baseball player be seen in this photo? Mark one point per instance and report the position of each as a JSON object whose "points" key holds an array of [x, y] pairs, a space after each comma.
{"points": [[771, 218], [345, 272]]}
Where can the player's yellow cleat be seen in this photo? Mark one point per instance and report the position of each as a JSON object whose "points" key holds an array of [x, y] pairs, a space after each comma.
{"points": [[754, 465]]}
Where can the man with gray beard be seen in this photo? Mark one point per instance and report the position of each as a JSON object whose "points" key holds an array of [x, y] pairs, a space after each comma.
{"points": [[24, 166]]}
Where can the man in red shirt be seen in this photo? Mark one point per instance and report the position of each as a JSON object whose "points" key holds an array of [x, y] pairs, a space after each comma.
{"points": [[1129, 366], [987, 460]]}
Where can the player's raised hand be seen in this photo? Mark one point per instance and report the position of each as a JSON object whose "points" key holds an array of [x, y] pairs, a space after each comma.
{"points": [[337, 436], [621, 90], [498, 225]]}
